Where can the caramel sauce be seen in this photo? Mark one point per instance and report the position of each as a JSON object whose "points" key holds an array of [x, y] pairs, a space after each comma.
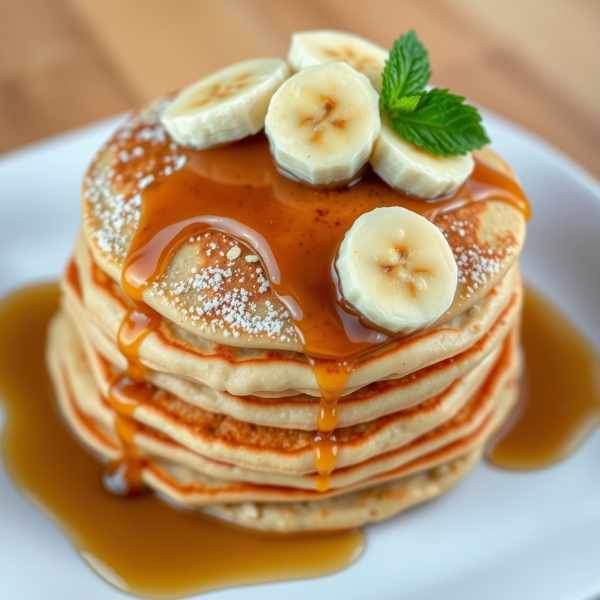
{"points": [[125, 395], [296, 229], [142, 546], [560, 399], [325, 454], [332, 378], [138, 323], [123, 476]]}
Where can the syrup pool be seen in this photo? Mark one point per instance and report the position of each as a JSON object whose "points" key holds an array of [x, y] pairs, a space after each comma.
{"points": [[140, 545], [560, 392]]}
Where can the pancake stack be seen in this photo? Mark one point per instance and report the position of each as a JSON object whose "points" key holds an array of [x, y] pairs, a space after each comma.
{"points": [[214, 402]]}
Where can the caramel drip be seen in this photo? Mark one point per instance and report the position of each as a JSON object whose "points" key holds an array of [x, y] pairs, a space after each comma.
{"points": [[138, 323], [124, 476], [332, 377], [144, 547], [125, 395], [325, 455], [296, 229], [140, 320], [126, 428]]}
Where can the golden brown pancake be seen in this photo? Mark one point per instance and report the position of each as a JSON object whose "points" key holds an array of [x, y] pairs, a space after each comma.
{"points": [[299, 410], [252, 371], [168, 422]]}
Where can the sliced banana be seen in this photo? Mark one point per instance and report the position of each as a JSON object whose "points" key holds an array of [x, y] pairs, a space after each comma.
{"points": [[322, 123], [397, 269], [309, 48], [228, 105], [415, 171]]}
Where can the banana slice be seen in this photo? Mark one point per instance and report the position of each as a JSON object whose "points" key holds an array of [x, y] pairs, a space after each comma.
{"points": [[415, 171], [397, 269], [309, 48], [322, 123], [228, 105]]}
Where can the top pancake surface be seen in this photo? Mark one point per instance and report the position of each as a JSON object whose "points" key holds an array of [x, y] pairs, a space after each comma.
{"points": [[231, 301]]}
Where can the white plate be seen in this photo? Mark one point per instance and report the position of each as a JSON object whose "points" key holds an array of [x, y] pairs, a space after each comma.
{"points": [[498, 535]]}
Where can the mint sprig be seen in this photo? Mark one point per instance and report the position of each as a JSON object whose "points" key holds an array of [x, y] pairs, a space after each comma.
{"points": [[407, 70], [434, 120]]}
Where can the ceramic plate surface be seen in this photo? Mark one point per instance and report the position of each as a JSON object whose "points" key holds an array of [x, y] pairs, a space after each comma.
{"points": [[498, 535]]}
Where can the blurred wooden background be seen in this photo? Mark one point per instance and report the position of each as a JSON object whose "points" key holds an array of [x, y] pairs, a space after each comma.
{"points": [[64, 63]]}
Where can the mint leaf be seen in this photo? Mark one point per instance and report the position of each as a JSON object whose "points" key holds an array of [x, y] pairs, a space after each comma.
{"points": [[441, 124], [406, 104], [406, 71], [435, 120]]}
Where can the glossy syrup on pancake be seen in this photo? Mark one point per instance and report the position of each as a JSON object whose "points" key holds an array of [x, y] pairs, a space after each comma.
{"points": [[296, 229], [123, 476], [143, 546]]}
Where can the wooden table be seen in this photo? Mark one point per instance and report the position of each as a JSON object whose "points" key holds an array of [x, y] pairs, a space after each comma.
{"points": [[64, 63]]}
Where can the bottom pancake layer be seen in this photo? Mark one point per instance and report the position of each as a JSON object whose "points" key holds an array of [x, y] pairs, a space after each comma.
{"points": [[425, 474]]}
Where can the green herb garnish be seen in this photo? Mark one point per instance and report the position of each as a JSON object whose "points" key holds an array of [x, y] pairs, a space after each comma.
{"points": [[434, 120]]}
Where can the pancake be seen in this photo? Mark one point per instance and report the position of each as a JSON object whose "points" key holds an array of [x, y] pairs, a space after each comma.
{"points": [[197, 290], [341, 512], [420, 430], [189, 486], [272, 449], [251, 371], [298, 411], [353, 509]]}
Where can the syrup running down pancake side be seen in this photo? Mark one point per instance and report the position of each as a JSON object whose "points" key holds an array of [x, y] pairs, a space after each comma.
{"points": [[296, 229]]}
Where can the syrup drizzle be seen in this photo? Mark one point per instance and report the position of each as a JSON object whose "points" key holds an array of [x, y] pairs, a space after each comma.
{"points": [[296, 230], [123, 476], [138, 323], [332, 377]]}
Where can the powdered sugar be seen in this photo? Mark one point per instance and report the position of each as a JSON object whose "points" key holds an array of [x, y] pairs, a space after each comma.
{"points": [[140, 152], [477, 262], [225, 296]]}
